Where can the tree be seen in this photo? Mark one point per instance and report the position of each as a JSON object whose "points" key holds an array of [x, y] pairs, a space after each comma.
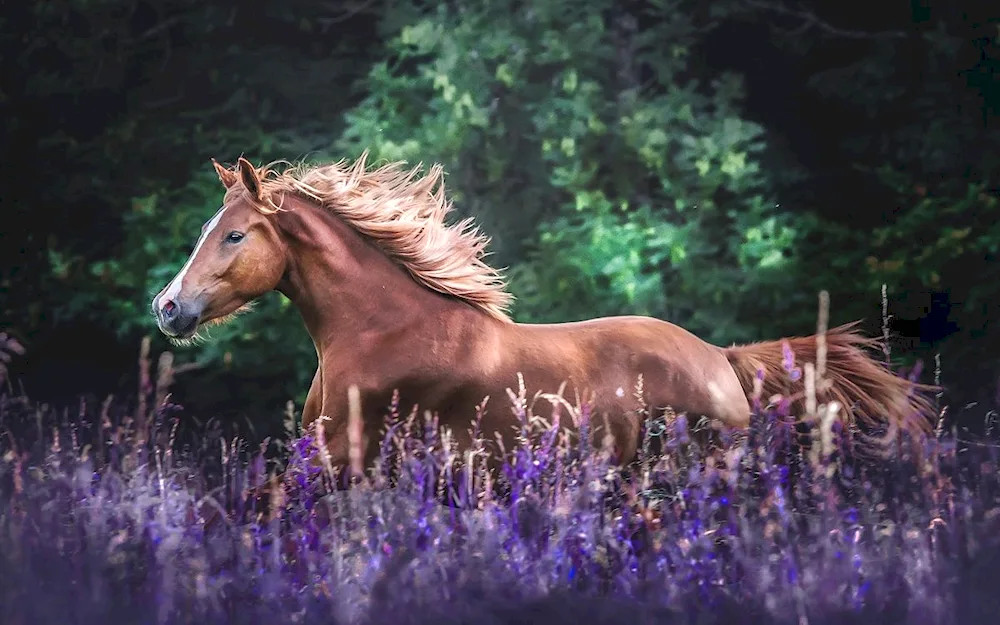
{"points": [[124, 182], [614, 178], [919, 102]]}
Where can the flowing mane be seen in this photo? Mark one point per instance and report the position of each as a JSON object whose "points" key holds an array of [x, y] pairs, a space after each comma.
{"points": [[404, 214]]}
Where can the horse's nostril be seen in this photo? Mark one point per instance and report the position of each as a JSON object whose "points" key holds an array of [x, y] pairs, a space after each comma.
{"points": [[169, 308]]}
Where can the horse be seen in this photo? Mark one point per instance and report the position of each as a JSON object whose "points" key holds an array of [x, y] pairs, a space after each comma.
{"points": [[401, 303]]}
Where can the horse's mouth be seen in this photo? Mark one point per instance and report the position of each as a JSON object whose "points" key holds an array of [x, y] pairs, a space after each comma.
{"points": [[183, 332]]}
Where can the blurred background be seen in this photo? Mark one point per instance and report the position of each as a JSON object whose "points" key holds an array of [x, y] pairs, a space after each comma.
{"points": [[715, 164]]}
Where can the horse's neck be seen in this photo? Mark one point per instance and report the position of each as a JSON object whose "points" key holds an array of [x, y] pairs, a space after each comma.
{"points": [[351, 290]]}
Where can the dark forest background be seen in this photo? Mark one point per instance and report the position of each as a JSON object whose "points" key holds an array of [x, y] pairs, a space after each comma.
{"points": [[711, 163]]}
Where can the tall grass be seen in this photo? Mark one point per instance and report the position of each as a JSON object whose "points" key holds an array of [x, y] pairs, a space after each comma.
{"points": [[103, 515]]}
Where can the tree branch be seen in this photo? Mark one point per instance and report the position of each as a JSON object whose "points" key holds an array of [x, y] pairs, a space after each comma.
{"points": [[345, 13], [811, 20], [155, 30]]}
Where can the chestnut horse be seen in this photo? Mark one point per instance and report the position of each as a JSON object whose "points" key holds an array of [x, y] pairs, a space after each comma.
{"points": [[396, 299]]}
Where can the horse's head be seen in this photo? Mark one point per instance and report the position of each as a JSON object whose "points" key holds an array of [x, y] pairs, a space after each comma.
{"points": [[238, 257]]}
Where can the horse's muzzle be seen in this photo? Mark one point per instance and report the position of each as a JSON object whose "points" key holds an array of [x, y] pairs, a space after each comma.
{"points": [[177, 319]]}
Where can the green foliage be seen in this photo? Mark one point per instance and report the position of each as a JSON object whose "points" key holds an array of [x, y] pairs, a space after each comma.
{"points": [[612, 179], [925, 135], [615, 171], [276, 93], [937, 234]]}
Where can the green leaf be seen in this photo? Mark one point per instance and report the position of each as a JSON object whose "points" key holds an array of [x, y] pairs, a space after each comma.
{"points": [[505, 75], [570, 82]]}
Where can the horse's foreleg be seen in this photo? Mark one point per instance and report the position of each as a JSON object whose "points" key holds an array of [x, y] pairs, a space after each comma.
{"points": [[314, 400]]}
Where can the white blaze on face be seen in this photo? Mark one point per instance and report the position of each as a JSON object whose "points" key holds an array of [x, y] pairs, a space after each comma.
{"points": [[174, 288]]}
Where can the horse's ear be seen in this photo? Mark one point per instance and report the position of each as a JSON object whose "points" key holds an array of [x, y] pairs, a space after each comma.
{"points": [[250, 179], [227, 176]]}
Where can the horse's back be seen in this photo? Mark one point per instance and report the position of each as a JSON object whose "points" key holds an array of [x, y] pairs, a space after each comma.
{"points": [[678, 368]]}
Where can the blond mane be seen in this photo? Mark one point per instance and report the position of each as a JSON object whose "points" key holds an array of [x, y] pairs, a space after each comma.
{"points": [[404, 214]]}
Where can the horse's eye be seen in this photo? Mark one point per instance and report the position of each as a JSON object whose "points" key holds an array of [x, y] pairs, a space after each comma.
{"points": [[234, 237]]}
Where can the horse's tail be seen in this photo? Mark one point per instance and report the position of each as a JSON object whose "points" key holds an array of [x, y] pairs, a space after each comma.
{"points": [[866, 390]]}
